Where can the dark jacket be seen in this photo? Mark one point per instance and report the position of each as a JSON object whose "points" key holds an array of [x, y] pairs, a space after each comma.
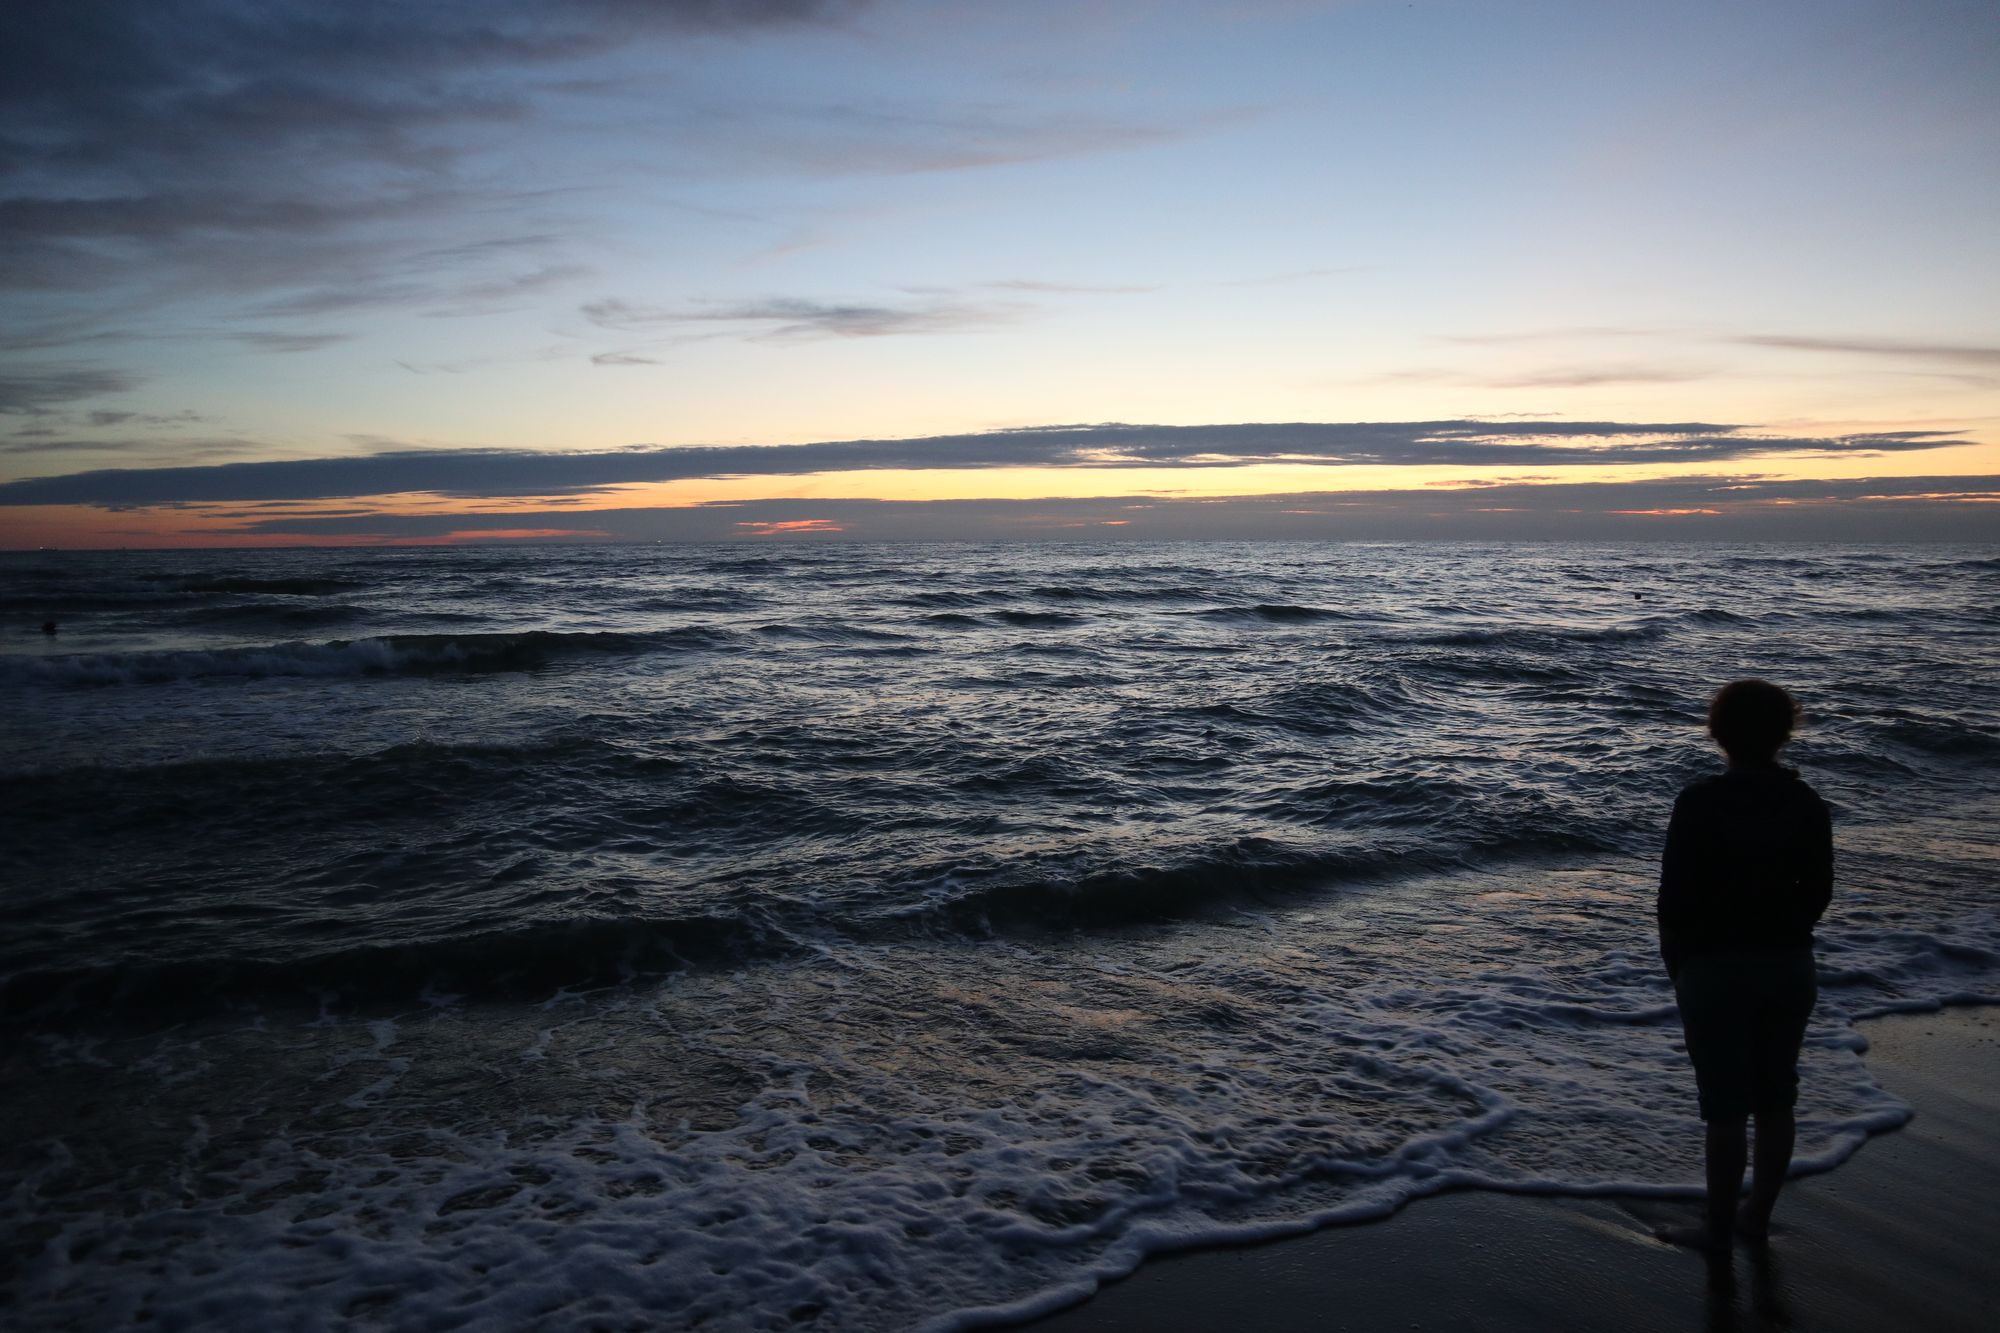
{"points": [[1748, 866]]}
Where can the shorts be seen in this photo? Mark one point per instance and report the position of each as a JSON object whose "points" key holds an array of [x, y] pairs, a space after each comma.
{"points": [[1745, 1018]]}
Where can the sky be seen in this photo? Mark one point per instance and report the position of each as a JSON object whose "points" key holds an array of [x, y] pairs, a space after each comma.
{"points": [[288, 272]]}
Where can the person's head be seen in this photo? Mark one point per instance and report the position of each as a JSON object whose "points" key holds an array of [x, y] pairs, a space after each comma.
{"points": [[1751, 719]]}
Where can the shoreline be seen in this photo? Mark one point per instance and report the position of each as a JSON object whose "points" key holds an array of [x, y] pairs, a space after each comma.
{"points": [[1900, 1234]]}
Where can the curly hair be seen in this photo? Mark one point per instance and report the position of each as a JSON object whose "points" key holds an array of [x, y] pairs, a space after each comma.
{"points": [[1751, 719]]}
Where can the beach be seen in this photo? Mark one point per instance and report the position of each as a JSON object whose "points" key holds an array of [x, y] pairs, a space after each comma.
{"points": [[1901, 1236]]}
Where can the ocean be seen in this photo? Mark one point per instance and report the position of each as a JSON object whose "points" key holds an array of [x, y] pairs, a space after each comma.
{"points": [[854, 937]]}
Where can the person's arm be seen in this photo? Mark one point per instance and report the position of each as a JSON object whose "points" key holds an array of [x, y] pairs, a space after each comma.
{"points": [[1676, 887], [1816, 876]]}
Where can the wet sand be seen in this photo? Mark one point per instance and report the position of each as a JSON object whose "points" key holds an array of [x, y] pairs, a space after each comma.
{"points": [[1904, 1235]]}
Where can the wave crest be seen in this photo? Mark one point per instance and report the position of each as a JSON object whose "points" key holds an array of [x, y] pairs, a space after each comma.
{"points": [[391, 654]]}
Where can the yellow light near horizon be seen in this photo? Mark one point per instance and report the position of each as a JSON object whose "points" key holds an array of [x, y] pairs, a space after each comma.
{"points": [[1049, 483], [226, 523]]}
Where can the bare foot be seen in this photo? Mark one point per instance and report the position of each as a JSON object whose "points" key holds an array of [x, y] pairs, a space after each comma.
{"points": [[1699, 1236]]}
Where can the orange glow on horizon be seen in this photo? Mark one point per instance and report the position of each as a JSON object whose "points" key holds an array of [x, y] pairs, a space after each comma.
{"points": [[780, 527], [233, 523]]}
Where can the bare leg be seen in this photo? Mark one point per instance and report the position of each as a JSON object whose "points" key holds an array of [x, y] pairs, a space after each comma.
{"points": [[1728, 1152], [1777, 1130]]}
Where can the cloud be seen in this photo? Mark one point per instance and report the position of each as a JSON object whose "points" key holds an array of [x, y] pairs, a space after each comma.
{"points": [[125, 89], [1969, 354], [1518, 479], [36, 445], [1717, 506], [1073, 288], [789, 526], [1977, 355], [102, 418], [492, 473], [1577, 377], [877, 139], [174, 450], [296, 149], [311, 159], [1045, 287], [621, 359], [33, 392], [1552, 377], [448, 294], [1581, 333], [268, 341], [798, 319], [1974, 365]]}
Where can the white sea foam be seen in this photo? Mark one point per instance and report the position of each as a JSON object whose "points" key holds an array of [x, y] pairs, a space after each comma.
{"points": [[804, 1143]]}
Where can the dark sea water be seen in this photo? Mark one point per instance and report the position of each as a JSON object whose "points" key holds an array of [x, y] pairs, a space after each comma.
{"points": [[868, 937]]}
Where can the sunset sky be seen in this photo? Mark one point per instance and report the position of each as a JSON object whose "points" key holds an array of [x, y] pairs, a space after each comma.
{"points": [[780, 270]]}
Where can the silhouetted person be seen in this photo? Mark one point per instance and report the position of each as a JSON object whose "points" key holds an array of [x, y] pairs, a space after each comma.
{"points": [[49, 627], [1748, 870]]}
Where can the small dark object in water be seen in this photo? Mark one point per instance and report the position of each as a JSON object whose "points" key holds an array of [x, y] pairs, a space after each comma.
{"points": [[48, 627], [1638, 596]]}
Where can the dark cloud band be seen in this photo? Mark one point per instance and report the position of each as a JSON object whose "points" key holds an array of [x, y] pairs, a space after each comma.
{"points": [[1740, 508], [500, 473]]}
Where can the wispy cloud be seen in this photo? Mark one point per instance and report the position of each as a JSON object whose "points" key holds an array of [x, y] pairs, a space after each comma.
{"points": [[1938, 353], [1969, 354], [311, 160], [1579, 333], [1072, 288], [215, 149], [1518, 479], [1577, 377], [1550, 377], [463, 289], [499, 473], [881, 139], [37, 445], [139, 452], [796, 318], [936, 309], [789, 526], [102, 418], [35, 392], [265, 340]]}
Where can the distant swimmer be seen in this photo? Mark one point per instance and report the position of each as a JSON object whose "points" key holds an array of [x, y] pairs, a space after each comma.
{"points": [[49, 628]]}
